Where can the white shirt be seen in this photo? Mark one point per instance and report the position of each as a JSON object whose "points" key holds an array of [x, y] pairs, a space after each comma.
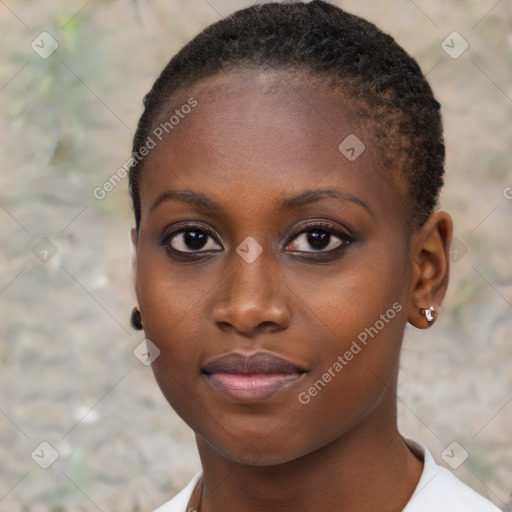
{"points": [[438, 490]]}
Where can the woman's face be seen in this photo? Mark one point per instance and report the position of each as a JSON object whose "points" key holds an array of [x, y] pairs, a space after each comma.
{"points": [[261, 234]]}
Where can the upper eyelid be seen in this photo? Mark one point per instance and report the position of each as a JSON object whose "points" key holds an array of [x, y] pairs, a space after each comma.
{"points": [[187, 226], [319, 225]]}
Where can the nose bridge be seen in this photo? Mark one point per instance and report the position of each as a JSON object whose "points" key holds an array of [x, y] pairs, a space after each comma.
{"points": [[251, 293], [258, 270]]}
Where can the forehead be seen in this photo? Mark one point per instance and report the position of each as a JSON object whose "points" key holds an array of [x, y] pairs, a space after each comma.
{"points": [[274, 129]]}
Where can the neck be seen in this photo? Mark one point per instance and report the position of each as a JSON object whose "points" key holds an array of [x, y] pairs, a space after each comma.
{"points": [[366, 468]]}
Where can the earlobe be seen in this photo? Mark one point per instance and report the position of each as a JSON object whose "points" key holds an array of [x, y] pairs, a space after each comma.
{"points": [[134, 235], [430, 269], [136, 316]]}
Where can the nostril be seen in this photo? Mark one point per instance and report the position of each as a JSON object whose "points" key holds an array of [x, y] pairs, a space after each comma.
{"points": [[224, 325]]}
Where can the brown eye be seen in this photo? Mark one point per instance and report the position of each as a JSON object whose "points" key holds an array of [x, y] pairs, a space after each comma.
{"points": [[319, 238], [191, 239]]}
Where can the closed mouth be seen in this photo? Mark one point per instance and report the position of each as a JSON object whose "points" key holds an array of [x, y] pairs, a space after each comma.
{"points": [[251, 378], [257, 363]]}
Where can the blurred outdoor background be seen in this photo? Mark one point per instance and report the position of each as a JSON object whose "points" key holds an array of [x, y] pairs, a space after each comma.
{"points": [[68, 375]]}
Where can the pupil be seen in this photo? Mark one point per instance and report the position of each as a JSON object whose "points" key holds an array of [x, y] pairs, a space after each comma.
{"points": [[195, 239], [319, 240]]}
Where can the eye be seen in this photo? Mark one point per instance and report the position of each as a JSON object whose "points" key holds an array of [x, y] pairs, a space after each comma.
{"points": [[316, 238], [191, 238], [320, 238]]}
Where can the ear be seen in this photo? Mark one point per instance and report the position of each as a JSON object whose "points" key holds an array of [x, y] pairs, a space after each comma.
{"points": [[430, 250], [134, 239]]}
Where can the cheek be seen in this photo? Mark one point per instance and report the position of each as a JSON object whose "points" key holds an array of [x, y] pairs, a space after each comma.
{"points": [[358, 324], [172, 307], [364, 301], [171, 295]]}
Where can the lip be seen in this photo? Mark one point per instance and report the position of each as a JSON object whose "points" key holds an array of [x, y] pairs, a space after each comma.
{"points": [[253, 377]]}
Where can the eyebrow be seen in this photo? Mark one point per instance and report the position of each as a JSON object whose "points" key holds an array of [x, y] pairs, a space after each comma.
{"points": [[203, 202]]}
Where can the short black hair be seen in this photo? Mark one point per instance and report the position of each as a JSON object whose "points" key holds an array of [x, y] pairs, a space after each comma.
{"points": [[319, 38]]}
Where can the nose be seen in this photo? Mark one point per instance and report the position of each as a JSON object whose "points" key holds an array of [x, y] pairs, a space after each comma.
{"points": [[251, 298]]}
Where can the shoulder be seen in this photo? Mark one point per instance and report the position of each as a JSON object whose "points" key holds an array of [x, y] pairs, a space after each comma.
{"points": [[439, 490], [180, 501]]}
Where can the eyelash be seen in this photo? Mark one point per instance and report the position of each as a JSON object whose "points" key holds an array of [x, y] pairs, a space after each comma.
{"points": [[344, 237]]}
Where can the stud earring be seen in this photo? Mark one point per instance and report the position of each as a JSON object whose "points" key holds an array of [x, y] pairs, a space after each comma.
{"points": [[428, 314], [136, 319]]}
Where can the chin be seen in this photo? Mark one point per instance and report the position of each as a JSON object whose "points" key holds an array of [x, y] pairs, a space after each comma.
{"points": [[251, 450], [253, 456]]}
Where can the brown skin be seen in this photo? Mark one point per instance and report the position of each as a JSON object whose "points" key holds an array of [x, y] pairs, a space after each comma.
{"points": [[252, 140]]}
